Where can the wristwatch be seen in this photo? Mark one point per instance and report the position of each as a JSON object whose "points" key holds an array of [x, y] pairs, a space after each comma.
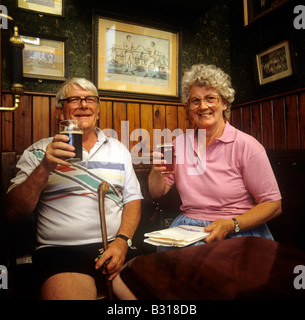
{"points": [[128, 241], [236, 227]]}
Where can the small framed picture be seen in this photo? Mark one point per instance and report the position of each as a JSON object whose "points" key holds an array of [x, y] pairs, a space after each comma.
{"points": [[274, 63], [53, 7], [45, 57]]}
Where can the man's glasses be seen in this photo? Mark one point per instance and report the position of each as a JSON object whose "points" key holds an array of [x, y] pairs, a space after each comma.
{"points": [[76, 101], [210, 100]]}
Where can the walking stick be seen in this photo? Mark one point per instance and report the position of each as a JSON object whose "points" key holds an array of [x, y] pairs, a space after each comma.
{"points": [[102, 190]]}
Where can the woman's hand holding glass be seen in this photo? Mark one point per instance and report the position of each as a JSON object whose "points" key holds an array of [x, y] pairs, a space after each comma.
{"points": [[159, 164]]}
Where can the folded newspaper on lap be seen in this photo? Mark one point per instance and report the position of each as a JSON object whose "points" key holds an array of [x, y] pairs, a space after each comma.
{"points": [[179, 236]]}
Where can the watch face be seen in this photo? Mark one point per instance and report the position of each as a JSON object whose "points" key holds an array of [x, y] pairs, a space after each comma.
{"points": [[236, 228], [129, 242]]}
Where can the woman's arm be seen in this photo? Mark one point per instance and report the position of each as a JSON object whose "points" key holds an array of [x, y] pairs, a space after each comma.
{"points": [[156, 182], [258, 215]]}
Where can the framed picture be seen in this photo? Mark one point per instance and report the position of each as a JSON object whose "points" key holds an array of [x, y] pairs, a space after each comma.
{"points": [[131, 59], [255, 9], [45, 57], [274, 63], [53, 7]]}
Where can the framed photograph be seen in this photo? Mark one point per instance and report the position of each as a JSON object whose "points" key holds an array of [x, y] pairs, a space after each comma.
{"points": [[255, 9], [53, 7], [274, 63], [45, 57], [131, 59]]}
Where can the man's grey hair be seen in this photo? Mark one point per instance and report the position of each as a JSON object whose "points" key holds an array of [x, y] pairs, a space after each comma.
{"points": [[81, 82]]}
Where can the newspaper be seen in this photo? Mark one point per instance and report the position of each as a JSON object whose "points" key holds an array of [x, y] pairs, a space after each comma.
{"points": [[179, 236]]}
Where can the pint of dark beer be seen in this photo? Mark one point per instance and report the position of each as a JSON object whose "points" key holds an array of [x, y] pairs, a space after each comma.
{"points": [[73, 131]]}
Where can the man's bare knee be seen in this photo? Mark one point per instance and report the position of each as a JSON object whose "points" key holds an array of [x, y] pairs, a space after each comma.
{"points": [[69, 286]]}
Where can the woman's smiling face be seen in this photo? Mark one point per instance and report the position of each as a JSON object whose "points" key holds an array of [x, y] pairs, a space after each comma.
{"points": [[205, 116]]}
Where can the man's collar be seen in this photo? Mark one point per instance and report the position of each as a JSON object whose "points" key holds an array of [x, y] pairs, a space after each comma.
{"points": [[101, 138]]}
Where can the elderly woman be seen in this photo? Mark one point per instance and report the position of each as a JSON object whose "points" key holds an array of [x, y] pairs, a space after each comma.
{"points": [[231, 189]]}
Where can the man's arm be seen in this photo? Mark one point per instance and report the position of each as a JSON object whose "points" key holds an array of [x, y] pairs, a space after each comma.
{"points": [[130, 218], [117, 250], [22, 200]]}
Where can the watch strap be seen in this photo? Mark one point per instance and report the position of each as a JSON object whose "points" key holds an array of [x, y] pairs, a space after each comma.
{"points": [[128, 241]]}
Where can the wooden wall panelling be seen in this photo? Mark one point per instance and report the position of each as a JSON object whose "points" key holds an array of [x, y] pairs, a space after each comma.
{"points": [[133, 116], [41, 117], [23, 125], [105, 115], [54, 119], [183, 119], [235, 119], [7, 125], [267, 124], [257, 122], [159, 122], [147, 125], [176, 120], [171, 117], [246, 119], [292, 122], [119, 115], [279, 123], [301, 100], [36, 118]]}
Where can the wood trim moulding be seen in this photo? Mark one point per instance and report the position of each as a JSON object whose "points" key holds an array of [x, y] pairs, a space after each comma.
{"points": [[104, 98], [268, 98]]}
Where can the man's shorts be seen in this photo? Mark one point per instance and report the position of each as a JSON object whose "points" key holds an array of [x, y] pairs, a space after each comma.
{"points": [[49, 261]]}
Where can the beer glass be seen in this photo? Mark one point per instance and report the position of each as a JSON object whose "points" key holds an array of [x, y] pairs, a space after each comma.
{"points": [[72, 129], [168, 152]]}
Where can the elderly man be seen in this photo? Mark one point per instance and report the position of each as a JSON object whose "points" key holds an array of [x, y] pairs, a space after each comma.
{"points": [[64, 197]]}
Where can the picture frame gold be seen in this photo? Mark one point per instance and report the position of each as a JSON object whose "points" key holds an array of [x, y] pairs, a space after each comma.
{"points": [[256, 9], [132, 59], [50, 7], [45, 57], [274, 63]]}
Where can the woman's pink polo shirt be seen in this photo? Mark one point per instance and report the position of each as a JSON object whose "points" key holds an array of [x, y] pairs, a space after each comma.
{"points": [[232, 176]]}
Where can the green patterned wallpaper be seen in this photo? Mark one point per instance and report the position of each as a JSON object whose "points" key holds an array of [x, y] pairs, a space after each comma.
{"points": [[215, 36], [207, 41], [204, 39], [76, 26]]}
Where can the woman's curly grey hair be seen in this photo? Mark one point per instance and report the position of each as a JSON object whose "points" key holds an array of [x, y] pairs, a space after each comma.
{"points": [[81, 82], [211, 77]]}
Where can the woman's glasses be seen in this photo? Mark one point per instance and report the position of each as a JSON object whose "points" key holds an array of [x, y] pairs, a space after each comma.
{"points": [[210, 100]]}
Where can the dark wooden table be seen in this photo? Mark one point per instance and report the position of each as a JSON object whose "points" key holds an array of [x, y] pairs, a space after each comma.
{"points": [[240, 268]]}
